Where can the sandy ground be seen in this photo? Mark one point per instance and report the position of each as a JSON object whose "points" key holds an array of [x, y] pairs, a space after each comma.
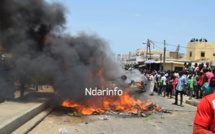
{"points": [[161, 123], [179, 121]]}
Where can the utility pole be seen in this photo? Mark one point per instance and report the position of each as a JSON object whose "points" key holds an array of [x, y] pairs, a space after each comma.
{"points": [[164, 53], [129, 55], [177, 50], [161, 59], [148, 50]]}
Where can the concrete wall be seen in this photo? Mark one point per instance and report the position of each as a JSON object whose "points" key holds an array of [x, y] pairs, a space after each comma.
{"points": [[197, 47], [6, 84], [171, 66], [174, 55], [125, 57], [155, 53], [6, 81]]}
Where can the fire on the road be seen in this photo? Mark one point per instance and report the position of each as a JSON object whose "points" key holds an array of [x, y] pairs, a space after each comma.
{"points": [[98, 105]]}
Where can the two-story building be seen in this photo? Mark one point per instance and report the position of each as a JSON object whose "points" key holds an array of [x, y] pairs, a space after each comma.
{"points": [[201, 51]]}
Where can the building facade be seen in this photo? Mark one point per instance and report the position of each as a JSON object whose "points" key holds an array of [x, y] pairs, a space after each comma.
{"points": [[155, 54], [125, 57], [200, 51]]}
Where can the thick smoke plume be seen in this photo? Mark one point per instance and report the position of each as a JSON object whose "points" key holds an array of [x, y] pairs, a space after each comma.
{"points": [[31, 31]]}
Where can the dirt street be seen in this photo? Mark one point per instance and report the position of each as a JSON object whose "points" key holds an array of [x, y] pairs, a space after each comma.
{"points": [[179, 121]]}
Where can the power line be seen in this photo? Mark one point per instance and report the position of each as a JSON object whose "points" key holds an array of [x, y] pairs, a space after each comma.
{"points": [[166, 44], [181, 46], [158, 47]]}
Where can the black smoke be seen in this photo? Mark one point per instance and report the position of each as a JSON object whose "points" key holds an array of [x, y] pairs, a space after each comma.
{"points": [[31, 30]]}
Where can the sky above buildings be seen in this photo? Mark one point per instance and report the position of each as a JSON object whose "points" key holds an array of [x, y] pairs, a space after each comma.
{"points": [[127, 24]]}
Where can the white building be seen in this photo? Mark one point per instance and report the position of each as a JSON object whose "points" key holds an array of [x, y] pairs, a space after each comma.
{"points": [[140, 56]]}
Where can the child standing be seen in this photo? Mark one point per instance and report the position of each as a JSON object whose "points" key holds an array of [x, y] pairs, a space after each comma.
{"points": [[175, 82], [195, 84], [169, 88], [190, 86]]}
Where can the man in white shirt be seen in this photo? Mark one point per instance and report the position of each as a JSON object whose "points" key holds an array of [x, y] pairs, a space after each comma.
{"points": [[151, 80], [163, 88]]}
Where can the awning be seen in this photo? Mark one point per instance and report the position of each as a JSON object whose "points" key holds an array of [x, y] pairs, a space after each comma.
{"points": [[168, 62], [149, 62]]}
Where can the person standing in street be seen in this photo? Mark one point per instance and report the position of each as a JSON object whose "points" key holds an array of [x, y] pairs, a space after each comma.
{"points": [[195, 84], [169, 88], [200, 83], [190, 87], [163, 85], [180, 88], [175, 82], [208, 74], [207, 87], [204, 122], [160, 84], [151, 80]]}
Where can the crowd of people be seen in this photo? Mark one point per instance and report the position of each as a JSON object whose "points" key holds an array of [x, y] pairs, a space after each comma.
{"points": [[192, 81], [198, 82], [172, 83]]}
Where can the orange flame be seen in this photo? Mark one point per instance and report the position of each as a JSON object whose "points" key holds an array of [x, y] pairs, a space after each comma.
{"points": [[98, 75], [100, 104], [120, 103], [101, 77]]}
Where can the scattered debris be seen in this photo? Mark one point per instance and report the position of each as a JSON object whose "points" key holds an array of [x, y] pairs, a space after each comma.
{"points": [[134, 113], [75, 114], [103, 117], [166, 111], [138, 111], [151, 106], [64, 131], [143, 115]]}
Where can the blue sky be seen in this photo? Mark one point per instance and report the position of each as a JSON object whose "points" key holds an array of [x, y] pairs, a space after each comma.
{"points": [[126, 24]]}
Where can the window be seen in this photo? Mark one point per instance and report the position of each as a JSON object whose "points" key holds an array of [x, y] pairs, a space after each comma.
{"points": [[202, 54], [190, 54]]}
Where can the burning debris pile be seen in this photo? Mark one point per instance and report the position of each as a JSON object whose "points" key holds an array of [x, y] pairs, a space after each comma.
{"points": [[32, 32], [100, 104], [125, 103]]}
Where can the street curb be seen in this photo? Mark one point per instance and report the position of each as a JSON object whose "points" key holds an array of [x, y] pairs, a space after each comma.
{"points": [[31, 124], [19, 120]]}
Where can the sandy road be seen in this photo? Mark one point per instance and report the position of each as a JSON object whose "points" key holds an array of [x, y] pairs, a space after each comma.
{"points": [[180, 121]]}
